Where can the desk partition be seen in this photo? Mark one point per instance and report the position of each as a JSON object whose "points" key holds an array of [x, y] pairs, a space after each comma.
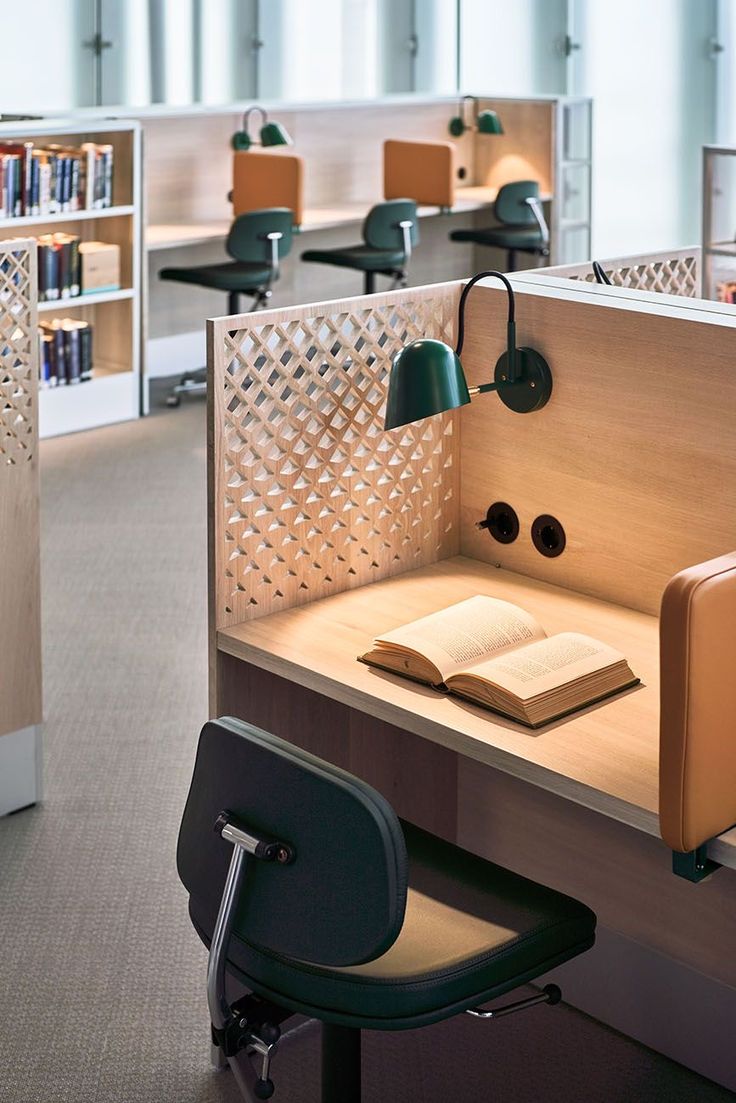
{"points": [[325, 531], [20, 608]]}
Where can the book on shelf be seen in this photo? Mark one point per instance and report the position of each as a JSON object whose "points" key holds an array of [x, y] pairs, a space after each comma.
{"points": [[497, 655], [59, 267], [54, 179], [65, 352]]}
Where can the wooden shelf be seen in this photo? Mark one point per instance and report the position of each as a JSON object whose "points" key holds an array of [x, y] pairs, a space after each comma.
{"points": [[605, 757], [103, 400], [66, 216], [58, 306]]}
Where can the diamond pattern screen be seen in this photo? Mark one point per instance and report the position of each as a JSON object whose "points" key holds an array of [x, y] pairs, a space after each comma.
{"points": [[312, 496], [18, 359], [668, 273]]}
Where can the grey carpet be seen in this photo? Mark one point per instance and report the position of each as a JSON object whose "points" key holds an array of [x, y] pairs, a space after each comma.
{"points": [[101, 976]]}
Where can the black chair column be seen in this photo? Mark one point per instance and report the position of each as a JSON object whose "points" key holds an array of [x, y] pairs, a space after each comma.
{"points": [[340, 1064]]}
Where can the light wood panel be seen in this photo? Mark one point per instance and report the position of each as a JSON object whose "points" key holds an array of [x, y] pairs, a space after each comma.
{"points": [[20, 603], [310, 496], [605, 757], [635, 453], [525, 150], [674, 272], [623, 875]]}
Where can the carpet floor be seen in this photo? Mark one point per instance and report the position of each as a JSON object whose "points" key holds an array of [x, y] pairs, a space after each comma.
{"points": [[102, 996]]}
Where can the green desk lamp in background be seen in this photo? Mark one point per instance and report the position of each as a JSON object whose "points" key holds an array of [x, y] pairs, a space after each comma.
{"points": [[427, 376], [486, 122], [271, 134]]}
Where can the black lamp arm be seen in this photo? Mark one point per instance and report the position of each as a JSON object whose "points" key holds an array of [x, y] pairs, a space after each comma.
{"points": [[510, 326]]}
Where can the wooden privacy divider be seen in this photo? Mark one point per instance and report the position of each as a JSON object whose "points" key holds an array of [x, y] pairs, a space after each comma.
{"points": [[635, 453], [674, 272], [20, 617], [309, 496]]}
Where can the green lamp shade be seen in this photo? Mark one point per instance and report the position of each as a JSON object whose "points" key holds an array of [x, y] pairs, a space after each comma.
{"points": [[274, 134], [241, 141], [426, 378], [489, 123]]}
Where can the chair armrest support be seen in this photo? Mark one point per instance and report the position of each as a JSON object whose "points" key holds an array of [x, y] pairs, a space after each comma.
{"points": [[535, 206]]}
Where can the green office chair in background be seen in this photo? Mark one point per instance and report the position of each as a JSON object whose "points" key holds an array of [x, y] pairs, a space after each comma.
{"points": [[522, 226], [309, 891], [257, 242], [390, 232]]}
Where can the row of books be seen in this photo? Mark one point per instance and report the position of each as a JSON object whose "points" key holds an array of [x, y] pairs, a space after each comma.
{"points": [[65, 352], [726, 292], [54, 179]]}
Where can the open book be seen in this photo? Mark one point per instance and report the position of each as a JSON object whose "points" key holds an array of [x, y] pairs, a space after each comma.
{"points": [[497, 655]]}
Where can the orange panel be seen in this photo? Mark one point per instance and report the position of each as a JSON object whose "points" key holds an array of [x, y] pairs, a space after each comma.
{"points": [[697, 754], [422, 171], [268, 180]]}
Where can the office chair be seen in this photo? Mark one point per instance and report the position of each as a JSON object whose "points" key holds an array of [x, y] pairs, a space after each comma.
{"points": [[308, 890], [522, 228], [390, 232], [257, 242]]}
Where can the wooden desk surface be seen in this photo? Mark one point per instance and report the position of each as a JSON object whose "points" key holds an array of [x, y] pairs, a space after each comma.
{"points": [[173, 236], [604, 757]]}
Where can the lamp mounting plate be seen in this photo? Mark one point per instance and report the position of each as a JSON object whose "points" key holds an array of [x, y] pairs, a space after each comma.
{"points": [[533, 386]]}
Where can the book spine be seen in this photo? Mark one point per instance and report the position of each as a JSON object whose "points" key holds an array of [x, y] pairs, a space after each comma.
{"points": [[85, 339], [64, 248], [46, 376], [72, 351], [54, 201], [27, 178], [74, 184], [75, 269]]}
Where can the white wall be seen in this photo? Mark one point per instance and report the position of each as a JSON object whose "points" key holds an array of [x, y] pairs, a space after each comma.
{"points": [[51, 70]]}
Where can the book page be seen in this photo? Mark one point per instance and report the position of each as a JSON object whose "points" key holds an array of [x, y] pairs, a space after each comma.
{"points": [[547, 664], [457, 637]]}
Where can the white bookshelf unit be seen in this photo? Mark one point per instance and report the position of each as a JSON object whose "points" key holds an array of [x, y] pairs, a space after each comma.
{"points": [[114, 392]]}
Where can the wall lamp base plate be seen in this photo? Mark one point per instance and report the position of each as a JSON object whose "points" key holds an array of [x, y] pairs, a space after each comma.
{"points": [[533, 386]]}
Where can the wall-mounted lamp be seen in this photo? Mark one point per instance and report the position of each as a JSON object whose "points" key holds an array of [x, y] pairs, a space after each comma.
{"points": [[271, 134], [486, 122], [427, 377]]}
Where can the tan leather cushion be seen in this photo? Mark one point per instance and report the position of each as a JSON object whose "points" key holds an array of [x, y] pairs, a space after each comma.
{"points": [[263, 180], [422, 171], [697, 749]]}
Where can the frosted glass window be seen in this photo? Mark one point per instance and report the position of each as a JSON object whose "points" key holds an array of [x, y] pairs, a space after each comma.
{"points": [[513, 48], [319, 49], [46, 66], [649, 72]]}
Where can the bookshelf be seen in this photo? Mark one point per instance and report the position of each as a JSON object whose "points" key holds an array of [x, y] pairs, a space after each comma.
{"points": [[114, 392]]}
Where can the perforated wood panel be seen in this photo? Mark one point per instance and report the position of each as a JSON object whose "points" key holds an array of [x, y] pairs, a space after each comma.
{"points": [[676, 272], [20, 622], [18, 351], [308, 494]]}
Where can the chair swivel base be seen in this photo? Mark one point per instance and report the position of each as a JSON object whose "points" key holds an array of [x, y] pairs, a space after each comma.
{"points": [[193, 382]]}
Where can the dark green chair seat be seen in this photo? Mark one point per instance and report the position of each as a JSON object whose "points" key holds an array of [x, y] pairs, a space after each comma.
{"points": [[521, 225], [241, 277], [362, 257], [472, 931], [505, 237], [257, 241], [390, 233], [368, 923]]}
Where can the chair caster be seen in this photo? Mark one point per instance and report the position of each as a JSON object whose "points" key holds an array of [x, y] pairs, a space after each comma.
{"points": [[263, 1089]]}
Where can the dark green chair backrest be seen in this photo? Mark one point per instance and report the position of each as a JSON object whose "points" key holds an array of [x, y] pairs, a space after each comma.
{"points": [[342, 900], [248, 237], [511, 207], [382, 230]]}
